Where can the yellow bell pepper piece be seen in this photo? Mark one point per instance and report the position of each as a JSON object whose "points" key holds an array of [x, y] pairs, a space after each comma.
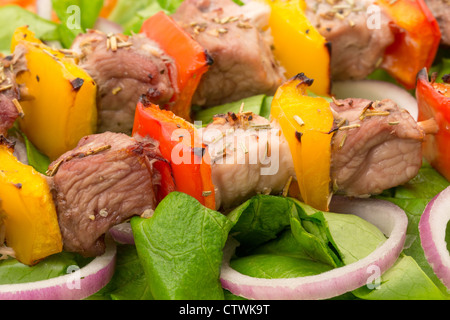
{"points": [[306, 123], [60, 104], [298, 46], [31, 221]]}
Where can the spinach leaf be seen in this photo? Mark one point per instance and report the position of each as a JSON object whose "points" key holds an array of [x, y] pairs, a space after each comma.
{"points": [[134, 25], [281, 237], [180, 248], [258, 221], [36, 159], [413, 197], [274, 266], [259, 104], [131, 14], [442, 68], [129, 281], [76, 17], [405, 280], [13, 17], [314, 242], [12, 271]]}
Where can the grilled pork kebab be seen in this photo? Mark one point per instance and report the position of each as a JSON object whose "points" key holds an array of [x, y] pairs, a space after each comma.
{"points": [[110, 177]]}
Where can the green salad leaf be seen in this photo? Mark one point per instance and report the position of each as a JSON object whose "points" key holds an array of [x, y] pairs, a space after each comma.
{"points": [[13, 17], [76, 17], [259, 104], [13, 272], [180, 248], [441, 69], [36, 159], [131, 14], [413, 197], [356, 239], [39, 161], [260, 220], [129, 281]]}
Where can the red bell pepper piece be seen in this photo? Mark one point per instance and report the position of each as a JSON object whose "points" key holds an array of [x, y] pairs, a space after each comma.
{"points": [[181, 145], [417, 37], [434, 103], [191, 59]]}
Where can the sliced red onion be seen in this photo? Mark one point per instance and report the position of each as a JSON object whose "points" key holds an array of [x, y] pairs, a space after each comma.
{"points": [[432, 228], [76, 285], [389, 218], [376, 90], [122, 233]]}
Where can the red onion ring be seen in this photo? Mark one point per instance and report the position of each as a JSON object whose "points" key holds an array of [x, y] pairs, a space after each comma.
{"points": [[376, 90], [432, 227], [389, 218], [122, 233], [75, 286]]}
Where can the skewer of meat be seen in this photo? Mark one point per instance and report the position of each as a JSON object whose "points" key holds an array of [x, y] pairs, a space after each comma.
{"points": [[372, 150], [110, 177]]}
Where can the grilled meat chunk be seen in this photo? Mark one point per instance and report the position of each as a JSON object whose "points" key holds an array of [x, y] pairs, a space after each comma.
{"points": [[358, 42], [378, 146], [104, 181], [441, 11], [10, 110], [248, 156], [123, 72], [244, 64]]}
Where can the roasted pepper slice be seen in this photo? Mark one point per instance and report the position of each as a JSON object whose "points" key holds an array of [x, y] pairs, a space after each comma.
{"points": [[181, 145], [298, 46], [59, 103], [31, 221], [190, 58], [434, 103], [417, 38], [306, 123]]}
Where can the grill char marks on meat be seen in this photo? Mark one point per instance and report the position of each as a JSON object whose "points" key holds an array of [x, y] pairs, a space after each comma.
{"points": [[378, 146], [441, 11], [244, 64], [104, 181], [356, 50], [10, 93], [125, 68]]}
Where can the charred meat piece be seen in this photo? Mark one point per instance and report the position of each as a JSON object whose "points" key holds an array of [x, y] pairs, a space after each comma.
{"points": [[248, 156], [125, 68], [10, 108], [104, 181], [358, 41], [244, 64], [377, 146], [441, 11]]}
